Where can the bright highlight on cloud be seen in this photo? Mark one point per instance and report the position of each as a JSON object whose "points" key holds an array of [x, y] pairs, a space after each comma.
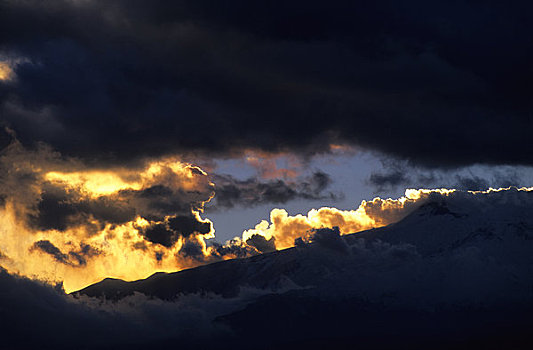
{"points": [[284, 229]]}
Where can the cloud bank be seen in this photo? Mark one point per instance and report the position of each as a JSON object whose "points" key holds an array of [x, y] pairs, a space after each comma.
{"points": [[231, 192], [119, 82]]}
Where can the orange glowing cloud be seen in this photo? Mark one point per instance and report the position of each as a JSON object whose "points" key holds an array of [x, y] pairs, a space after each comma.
{"points": [[80, 226]]}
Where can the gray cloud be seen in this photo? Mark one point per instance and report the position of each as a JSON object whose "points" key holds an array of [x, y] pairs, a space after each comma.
{"points": [[232, 192], [391, 179], [398, 174], [167, 233]]}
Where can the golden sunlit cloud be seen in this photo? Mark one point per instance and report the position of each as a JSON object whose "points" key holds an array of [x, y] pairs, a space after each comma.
{"points": [[93, 183], [80, 226], [6, 73]]}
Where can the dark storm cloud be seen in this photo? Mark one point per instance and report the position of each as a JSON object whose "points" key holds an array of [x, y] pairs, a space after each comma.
{"points": [[437, 83], [73, 258], [325, 237], [385, 180], [234, 248], [60, 209], [49, 248], [159, 201], [187, 225], [230, 191], [160, 234], [169, 231], [261, 243], [192, 249]]}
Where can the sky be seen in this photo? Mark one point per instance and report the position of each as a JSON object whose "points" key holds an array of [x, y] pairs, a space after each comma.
{"points": [[174, 134]]}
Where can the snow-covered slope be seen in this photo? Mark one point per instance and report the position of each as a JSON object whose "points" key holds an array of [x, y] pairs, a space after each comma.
{"points": [[457, 272]]}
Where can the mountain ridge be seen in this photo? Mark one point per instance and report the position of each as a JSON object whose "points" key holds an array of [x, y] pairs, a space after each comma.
{"points": [[442, 226]]}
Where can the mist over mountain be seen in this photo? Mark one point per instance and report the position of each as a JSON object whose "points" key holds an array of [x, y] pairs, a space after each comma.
{"points": [[456, 272]]}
